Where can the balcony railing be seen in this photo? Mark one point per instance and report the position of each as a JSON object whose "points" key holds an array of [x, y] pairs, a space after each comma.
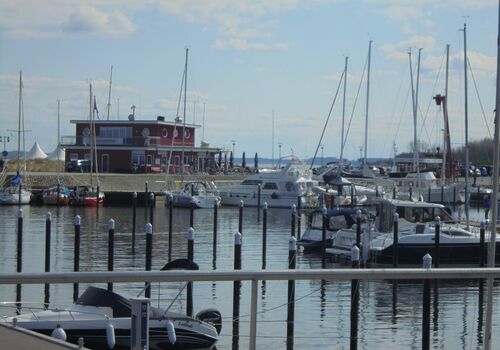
{"points": [[139, 141]]}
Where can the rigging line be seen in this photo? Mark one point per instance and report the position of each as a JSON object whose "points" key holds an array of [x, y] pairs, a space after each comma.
{"points": [[478, 97], [327, 120], [402, 112], [355, 103], [424, 116]]}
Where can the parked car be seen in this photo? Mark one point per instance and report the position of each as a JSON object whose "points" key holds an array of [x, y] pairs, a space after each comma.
{"points": [[78, 165]]}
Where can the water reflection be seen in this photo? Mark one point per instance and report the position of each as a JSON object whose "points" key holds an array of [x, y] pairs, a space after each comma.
{"points": [[391, 312]]}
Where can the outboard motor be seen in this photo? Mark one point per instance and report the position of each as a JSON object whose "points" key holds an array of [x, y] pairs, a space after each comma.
{"points": [[211, 316]]}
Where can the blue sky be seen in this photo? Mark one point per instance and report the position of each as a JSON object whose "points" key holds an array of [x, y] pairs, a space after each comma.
{"points": [[248, 58]]}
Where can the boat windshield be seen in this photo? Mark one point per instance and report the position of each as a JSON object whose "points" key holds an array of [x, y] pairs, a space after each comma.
{"points": [[250, 182]]}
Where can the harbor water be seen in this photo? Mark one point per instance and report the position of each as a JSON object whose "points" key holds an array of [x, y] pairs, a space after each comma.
{"points": [[390, 315]]}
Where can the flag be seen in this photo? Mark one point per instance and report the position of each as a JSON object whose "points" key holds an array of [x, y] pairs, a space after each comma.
{"points": [[16, 180], [95, 107]]}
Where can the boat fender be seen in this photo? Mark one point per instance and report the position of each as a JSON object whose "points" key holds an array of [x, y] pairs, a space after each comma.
{"points": [[172, 337], [110, 336], [59, 333], [274, 195]]}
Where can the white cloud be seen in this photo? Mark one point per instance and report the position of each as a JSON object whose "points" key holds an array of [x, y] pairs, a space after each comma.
{"points": [[91, 20]]}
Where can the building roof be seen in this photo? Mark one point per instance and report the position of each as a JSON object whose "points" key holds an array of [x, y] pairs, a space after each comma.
{"points": [[136, 121]]}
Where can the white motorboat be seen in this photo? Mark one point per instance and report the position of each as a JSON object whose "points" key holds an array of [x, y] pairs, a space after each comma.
{"points": [[103, 319], [198, 194], [425, 185], [416, 220], [337, 219], [278, 188]]}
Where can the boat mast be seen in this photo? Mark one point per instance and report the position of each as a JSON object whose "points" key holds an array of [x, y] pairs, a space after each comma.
{"points": [[466, 112], [494, 204], [341, 164], [19, 120], [367, 99], [184, 112], [446, 129], [109, 93]]}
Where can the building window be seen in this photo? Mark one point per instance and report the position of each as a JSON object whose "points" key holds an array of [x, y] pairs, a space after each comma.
{"points": [[164, 133], [149, 158], [145, 132], [187, 134]]}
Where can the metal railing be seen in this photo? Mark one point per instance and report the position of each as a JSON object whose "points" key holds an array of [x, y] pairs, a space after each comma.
{"points": [[253, 276]]}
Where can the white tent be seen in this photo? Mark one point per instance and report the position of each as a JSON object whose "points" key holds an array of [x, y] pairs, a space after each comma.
{"points": [[36, 152], [57, 154]]}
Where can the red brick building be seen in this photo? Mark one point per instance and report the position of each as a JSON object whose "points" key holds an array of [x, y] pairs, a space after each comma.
{"points": [[140, 146]]}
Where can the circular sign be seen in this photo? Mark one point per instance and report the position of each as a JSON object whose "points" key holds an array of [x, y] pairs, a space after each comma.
{"points": [[5, 153]]}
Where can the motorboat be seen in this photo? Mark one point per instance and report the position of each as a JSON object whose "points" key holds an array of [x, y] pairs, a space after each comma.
{"points": [[198, 194], [279, 188], [457, 245], [337, 219], [425, 185], [103, 319]]}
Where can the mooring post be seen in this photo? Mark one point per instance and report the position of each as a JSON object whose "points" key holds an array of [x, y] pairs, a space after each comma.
{"points": [[48, 225], [429, 194], [394, 192], [98, 188], [354, 300], [76, 254], [190, 256], [358, 228], [58, 193], [411, 192], [299, 216], [437, 241], [134, 219], [292, 252], [264, 235], [426, 308], [214, 240], [259, 188], [323, 239], [20, 215], [236, 290], [240, 218], [482, 248], [111, 248], [151, 207], [395, 240], [294, 213], [149, 256], [170, 225]]}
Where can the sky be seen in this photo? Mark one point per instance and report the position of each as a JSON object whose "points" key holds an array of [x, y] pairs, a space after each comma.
{"points": [[262, 74]]}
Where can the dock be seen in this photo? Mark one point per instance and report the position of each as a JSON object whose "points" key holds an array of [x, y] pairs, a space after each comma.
{"points": [[23, 339]]}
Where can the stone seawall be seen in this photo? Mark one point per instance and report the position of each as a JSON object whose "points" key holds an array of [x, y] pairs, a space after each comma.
{"points": [[125, 182]]}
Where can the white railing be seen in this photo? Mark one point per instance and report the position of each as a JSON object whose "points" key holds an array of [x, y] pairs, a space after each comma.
{"points": [[253, 276]]}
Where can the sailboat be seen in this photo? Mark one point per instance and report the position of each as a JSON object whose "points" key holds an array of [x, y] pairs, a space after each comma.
{"points": [[195, 194], [14, 193]]}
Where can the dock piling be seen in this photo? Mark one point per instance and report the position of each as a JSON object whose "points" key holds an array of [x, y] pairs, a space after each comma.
{"points": [[354, 300], [482, 248], [190, 256], [426, 306], [259, 189], [20, 215], [358, 228], [395, 241], [290, 319], [294, 213], [111, 248], [214, 239], [240, 217], [170, 227], [264, 235], [48, 225], [76, 254], [437, 241], [323, 239], [236, 289], [134, 219], [149, 256]]}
